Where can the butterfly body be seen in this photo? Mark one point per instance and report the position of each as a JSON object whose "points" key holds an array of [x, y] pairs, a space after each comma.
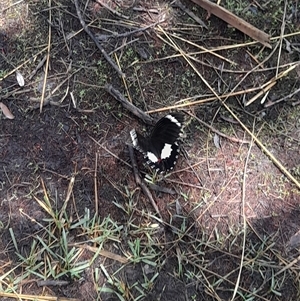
{"points": [[161, 147]]}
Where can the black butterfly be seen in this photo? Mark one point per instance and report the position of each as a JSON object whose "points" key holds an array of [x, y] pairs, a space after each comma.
{"points": [[161, 147]]}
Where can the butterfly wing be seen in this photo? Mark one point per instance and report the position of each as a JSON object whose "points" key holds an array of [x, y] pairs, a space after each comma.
{"points": [[166, 131], [161, 148]]}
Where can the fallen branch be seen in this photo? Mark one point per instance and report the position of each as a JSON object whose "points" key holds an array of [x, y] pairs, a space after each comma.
{"points": [[128, 105], [235, 21]]}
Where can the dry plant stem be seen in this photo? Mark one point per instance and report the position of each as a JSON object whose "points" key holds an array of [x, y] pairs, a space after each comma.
{"points": [[112, 10], [69, 192], [228, 47], [47, 99], [267, 86], [47, 60], [281, 36], [244, 221], [139, 182], [190, 13], [21, 65], [127, 105], [12, 5], [296, 103], [249, 72], [271, 103], [286, 267], [40, 65], [201, 101], [218, 132], [108, 151], [203, 50], [235, 21], [273, 159], [161, 189], [124, 80], [255, 294], [186, 184], [95, 185], [103, 253], [104, 53], [35, 297], [130, 33]]}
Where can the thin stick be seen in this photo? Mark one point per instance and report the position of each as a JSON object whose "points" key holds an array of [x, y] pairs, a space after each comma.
{"points": [[111, 153], [95, 184], [244, 221], [140, 182], [218, 132], [104, 53], [271, 103], [281, 36], [126, 104], [112, 10]]}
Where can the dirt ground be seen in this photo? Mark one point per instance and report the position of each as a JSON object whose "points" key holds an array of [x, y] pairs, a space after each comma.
{"points": [[74, 224]]}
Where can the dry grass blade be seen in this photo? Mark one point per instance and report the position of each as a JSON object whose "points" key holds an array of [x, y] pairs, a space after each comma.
{"points": [[202, 50], [272, 82], [276, 162], [217, 131], [261, 145], [243, 203], [47, 59], [104, 253], [35, 297]]}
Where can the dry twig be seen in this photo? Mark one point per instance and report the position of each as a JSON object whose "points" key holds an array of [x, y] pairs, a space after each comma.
{"points": [[112, 10], [87, 30], [218, 132], [190, 13], [140, 182], [129, 106]]}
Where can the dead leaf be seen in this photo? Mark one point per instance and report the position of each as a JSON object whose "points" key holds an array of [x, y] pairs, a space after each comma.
{"points": [[20, 79], [7, 113]]}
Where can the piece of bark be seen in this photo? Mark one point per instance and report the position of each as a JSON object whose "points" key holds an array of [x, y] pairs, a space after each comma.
{"points": [[235, 21]]}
